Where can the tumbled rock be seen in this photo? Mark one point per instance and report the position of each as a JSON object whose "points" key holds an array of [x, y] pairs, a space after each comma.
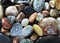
{"points": [[58, 20], [16, 30], [54, 13], [47, 6], [45, 13], [38, 5], [20, 17], [7, 33], [27, 30], [4, 39], [34, 36], [11, 19], [5, 23], [26, 41], [32, 17], [38, 29], [49, 26], [39, 17], [11, 10], [1, 11], [57, 4], [29, 10]]}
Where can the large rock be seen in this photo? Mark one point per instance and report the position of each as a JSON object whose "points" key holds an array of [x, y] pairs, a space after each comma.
{"points": [[38, 5]]}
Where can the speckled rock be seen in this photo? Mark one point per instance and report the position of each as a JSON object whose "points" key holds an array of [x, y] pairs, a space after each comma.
{"points": [[32, 17], [29, 10], [25, 22], [54, 13], [20, 17], [11, 10], [38, 29], [11, 19], [27, 30], [38, 5], [26, 41], [39, 17], [34, 36], [49, 26], [47, 6], [5, 23], [16, 30]]}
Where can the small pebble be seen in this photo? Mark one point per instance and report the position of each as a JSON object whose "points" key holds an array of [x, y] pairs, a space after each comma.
{"points": [[25, 22], [32, 17], [39, 17], [38, 29], [27, 30], [47, 6], [26, 41], [20, 17]]}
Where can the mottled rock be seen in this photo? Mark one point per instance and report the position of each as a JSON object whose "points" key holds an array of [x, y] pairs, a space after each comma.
{"points": [[38, 5], [54, 13], [39, 17], [26, 41], [49, 26], [27, 30], [11, 10], [32, 17], [29, 10], [25, 22], [38, 29], [47, 6], [11, 19], [20, 17]]}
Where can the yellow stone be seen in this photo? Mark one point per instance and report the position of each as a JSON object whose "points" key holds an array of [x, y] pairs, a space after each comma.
{"points": [[38, 29]]}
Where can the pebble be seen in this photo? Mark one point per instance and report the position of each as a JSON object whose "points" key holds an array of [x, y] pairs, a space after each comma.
{"points": [[39, 17], [25, 22], [38, 29], [57, 4], [45, 13], [47, 6], [52, 3], [26, 41], [34, 36], [11, 10], [32, 17], [54, 13], [11, 19], [38, 5], [27, 30], [7, 33], [16, 30], [58, 20], [4, 39], [5, 23], [1, 11], [49, 26], [29, 10], [20, 17]]}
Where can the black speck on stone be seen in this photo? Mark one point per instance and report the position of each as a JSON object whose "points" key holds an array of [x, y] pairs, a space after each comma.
{"points": [[4, 39], [29, 10]]}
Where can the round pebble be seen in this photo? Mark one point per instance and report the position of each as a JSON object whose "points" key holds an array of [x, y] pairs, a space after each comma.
{"points": [[26, 41], [27, 30], [25, 22], [47, 6]]}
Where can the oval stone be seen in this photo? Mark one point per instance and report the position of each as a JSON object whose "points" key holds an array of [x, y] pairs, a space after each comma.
{"points": [[38, 5], [58, 20], [25, 22], [47, 6], [5, 23], [38, 29], [20, 17], [27, 30], [54, 13], [26, 41], [39, 17], [29, 10], [11, 19], [11, 10], [32, 17], [1, 11]]}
